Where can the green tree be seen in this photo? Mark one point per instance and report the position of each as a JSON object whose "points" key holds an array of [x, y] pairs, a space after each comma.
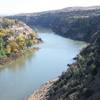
{"points": [[2, 43], [29, 43]]}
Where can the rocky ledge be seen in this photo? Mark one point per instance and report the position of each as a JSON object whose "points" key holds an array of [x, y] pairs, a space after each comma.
{"points": [[40, 94]]}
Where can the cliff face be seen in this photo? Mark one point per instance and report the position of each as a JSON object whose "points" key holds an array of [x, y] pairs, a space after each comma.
{"points": [[76, 23], [82, 79]]}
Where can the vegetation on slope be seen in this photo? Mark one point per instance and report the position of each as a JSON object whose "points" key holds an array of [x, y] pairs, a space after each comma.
{"points": [[82, 79], [15, 37]]}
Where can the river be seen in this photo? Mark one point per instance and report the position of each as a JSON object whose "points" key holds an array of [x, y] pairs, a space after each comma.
{"points": [[20, 78]]}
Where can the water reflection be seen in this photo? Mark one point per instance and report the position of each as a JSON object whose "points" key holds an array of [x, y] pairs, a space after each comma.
{"points": [[20, 63]]}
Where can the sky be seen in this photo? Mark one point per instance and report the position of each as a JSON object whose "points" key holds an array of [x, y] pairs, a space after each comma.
{"points": [[10, 7]]}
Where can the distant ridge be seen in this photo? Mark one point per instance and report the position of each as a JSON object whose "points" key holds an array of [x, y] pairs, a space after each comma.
{"points": [[67, 9]]}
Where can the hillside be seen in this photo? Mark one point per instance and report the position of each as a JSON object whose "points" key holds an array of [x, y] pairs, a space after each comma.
{"points": [[15, 38], [82, 79]]}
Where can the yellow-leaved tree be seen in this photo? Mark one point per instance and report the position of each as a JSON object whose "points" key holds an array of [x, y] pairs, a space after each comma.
{"points": [[21, 41], [12, 47]]}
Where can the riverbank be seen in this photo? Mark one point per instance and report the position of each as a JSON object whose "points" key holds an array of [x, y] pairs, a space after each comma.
{"points": [[14, 56], [40, 93], [11, 58]]}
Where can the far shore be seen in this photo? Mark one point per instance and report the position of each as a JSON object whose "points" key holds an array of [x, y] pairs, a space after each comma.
{"points": [[8, 60], [11, 58]]}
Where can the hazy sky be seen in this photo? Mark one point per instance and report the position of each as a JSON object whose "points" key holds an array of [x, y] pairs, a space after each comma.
{"points": [[25, 6]]}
